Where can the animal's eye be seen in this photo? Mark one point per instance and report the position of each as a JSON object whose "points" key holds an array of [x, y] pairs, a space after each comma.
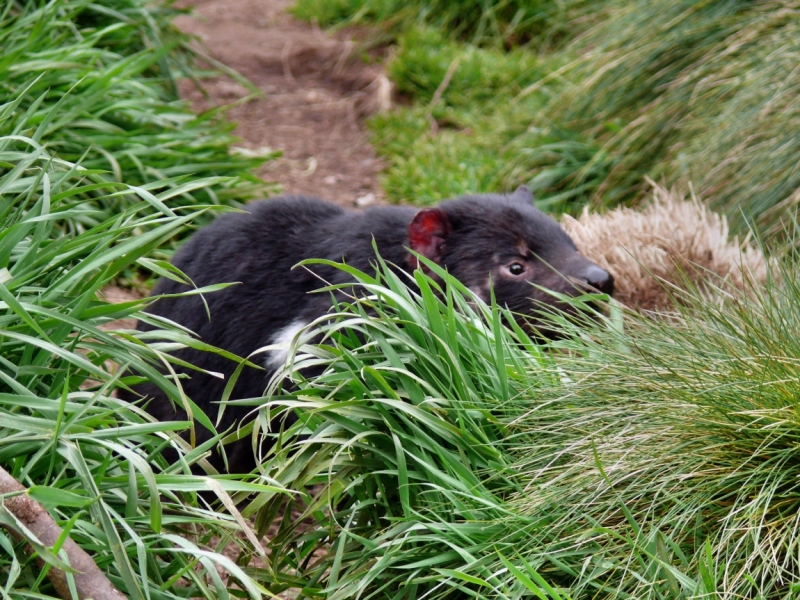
{"points": [[516, 268]]}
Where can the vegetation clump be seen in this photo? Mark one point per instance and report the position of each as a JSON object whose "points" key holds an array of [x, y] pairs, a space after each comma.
{"points": [[452, 457], [111, 69], [656, 252], [95, 462]]}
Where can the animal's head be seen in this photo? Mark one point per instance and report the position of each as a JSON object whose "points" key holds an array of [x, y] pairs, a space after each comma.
{"points": [[506, 242]]}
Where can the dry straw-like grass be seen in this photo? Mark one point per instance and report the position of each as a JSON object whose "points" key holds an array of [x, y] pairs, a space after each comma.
{"points": [[669, 243]]}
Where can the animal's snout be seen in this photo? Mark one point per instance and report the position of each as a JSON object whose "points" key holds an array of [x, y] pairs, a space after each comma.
{"points": [[598, 279]]}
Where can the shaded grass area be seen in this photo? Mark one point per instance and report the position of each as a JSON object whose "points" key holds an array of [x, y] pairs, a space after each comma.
{"points": [[704, 92], [642, 458], [493, 23], [681, 92]]}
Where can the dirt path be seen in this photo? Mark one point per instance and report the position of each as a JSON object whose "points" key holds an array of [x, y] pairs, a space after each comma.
{"points": [[316, 92]]}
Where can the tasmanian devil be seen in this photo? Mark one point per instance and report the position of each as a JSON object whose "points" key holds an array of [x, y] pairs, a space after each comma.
{"points": [[498, 240]]}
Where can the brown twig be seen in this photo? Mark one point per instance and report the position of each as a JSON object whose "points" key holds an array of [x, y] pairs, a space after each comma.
{"points": [[90, 582]]}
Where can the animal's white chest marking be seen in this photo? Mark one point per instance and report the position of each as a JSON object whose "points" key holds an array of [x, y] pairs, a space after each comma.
{"points": [[282, 341]]}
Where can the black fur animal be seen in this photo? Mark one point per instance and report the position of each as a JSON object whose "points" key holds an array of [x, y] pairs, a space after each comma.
{"points": [[497, 238]]}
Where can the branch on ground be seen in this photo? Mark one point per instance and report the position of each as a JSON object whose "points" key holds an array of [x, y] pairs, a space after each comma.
{"points": [[90, 582]]}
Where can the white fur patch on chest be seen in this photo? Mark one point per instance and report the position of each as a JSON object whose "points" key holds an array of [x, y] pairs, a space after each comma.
{"points": [[282, 342]]}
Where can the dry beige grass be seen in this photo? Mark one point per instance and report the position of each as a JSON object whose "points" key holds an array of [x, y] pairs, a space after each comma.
{"points": [[648, 251]]}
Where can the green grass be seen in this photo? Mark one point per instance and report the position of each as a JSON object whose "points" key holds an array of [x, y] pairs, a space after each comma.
{"points": [[668, 454], [101, 168], [485, 22], [474, 115], [426, 169], [645, 458], [701, 93], [111, 67], [94, 461], [688, 92], [409, 416], [440, 454]]}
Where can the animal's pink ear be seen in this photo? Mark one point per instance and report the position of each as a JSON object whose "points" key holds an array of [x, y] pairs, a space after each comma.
{"points": [[427, 233]]}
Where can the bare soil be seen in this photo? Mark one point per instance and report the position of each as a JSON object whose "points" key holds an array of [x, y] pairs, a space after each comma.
{"points": [[316, 91]]}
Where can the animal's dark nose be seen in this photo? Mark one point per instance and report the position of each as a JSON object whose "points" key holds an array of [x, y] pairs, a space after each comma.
{"points": [[599, 279]]}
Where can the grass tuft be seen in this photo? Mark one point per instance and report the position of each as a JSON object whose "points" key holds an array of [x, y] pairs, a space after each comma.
{"points": [[681, 91], [111, 69], [94, 461], [401, 442], [636, 457], [100, 169]]}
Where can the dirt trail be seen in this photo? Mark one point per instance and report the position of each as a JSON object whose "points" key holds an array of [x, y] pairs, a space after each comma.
{"points": [[316, 92]]}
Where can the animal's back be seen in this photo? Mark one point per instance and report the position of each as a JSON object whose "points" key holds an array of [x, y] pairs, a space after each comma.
{"points": [[258, 249]]}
